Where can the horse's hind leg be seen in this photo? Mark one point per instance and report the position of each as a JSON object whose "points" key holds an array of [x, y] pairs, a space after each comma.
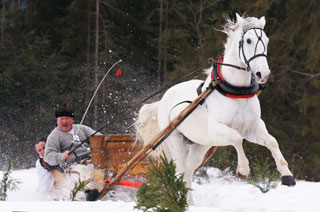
{"points": [[195, 157], [178, 149], [261, 136]]}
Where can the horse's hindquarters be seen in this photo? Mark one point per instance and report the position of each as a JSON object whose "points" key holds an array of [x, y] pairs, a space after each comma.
{"points": [[147, 125]]}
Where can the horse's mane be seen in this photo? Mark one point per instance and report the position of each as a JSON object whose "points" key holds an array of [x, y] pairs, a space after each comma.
{"points": [[231, 27]]}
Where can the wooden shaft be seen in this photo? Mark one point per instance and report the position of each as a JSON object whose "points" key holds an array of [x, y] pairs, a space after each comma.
{"points": [[207, 156], [172, 125]]}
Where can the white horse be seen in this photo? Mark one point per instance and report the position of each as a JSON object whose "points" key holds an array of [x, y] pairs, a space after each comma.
{"points": [[228, 115]]}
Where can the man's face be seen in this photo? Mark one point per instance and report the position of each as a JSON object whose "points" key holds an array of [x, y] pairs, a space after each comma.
{"points": [[65, 123], [40, 148]]}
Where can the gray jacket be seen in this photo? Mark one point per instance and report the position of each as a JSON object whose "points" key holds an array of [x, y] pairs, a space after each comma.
{"points": [[58, 142]]}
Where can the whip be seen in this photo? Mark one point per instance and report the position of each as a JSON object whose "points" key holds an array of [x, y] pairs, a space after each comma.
{"points": [[95, 92], [85, 113]]}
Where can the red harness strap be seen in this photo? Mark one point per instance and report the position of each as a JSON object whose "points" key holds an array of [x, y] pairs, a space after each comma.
{"points": [[240, 96], [222, 80]]}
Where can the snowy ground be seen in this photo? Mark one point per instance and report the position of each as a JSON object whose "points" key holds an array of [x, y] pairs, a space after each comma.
{"points": [[222, 193]]}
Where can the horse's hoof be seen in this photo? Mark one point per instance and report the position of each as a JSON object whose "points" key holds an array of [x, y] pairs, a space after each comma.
{"points": [[243, 170], [241, 176], [288, 180], [92, 195]]}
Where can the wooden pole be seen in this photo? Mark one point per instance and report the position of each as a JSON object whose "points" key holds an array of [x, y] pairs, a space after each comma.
{"points": [[207, 156], [164, 133]]}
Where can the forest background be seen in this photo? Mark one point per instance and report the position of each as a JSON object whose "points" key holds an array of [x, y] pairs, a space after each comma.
{"points": [[57, 51]]}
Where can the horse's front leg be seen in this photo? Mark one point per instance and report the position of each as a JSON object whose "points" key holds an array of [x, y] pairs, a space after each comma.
{"points": [[261, 136], [222, 135]]}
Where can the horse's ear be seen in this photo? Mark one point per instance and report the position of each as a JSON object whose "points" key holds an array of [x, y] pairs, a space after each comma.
{"points": [[239, 18], [262, 21]]}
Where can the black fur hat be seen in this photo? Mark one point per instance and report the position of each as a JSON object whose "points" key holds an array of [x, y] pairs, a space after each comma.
{"points": [[64, 110]]}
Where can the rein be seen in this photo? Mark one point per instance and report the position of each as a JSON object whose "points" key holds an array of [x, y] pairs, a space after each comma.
{"points": [[233, 66]]}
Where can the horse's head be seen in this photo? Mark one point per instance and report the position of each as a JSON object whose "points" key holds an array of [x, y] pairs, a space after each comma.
{"points": [[253, 45]]}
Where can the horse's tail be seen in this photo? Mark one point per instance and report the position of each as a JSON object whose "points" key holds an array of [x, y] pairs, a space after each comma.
{"points": [[147, 126]]}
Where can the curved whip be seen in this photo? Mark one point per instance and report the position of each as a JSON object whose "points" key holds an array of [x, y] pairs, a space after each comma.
{"points": [[95, 92]]}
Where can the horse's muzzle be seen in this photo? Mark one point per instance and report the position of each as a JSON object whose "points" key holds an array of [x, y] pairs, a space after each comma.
{"points": [[262, 79]]}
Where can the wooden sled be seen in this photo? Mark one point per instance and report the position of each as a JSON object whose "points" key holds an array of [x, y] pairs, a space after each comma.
{"points": [[112, 151]]}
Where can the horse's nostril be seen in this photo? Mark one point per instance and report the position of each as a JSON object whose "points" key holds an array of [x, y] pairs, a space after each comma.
{"points": [[258, 74]]}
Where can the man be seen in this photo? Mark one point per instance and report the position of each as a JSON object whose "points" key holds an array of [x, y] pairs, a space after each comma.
{"points": [[44, 171], [65, 137]]}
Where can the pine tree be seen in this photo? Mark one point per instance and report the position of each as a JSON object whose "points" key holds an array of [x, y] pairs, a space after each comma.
{"points": [[8, 183], [263, 177], [165, 191]]}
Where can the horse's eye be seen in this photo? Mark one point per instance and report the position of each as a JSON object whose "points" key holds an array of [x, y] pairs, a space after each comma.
{"points": [[248, 41]]}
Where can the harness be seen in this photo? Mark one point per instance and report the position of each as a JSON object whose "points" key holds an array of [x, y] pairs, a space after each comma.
{"points": [[229, 90], [226, 88]]}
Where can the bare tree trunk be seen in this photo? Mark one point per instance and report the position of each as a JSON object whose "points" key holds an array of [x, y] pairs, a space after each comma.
{"points": [[3, 14], [104, 86], [88, 64], [198, 23], [165, 60], [195, 20], [30, 14], [15, 14], [96, 60], [160, 45]]}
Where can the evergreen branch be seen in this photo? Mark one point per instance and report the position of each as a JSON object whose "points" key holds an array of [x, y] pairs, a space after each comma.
{"points": [[165, 191], [263, 177], [78, 186]]}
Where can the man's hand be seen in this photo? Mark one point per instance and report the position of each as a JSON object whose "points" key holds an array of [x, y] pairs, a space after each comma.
{"points": [[66, 155]]}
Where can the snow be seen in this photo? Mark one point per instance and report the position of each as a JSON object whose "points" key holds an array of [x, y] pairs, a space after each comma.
{"points": [[221, 193]]}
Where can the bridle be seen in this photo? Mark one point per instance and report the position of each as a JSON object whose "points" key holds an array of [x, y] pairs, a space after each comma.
{"points": [[255, 55]]}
